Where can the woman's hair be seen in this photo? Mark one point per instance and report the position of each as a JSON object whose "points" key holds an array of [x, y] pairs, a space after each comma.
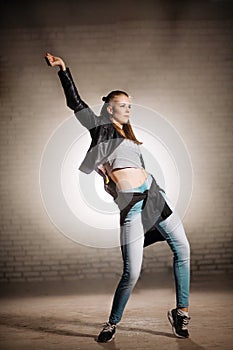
{"points": [[127, 130]]}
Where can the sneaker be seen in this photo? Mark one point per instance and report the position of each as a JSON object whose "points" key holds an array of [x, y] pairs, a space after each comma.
{"points": [[107, 333], [179, 323]]}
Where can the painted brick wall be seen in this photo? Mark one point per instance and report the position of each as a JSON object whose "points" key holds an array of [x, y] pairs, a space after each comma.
{"points": [[179, 65]]}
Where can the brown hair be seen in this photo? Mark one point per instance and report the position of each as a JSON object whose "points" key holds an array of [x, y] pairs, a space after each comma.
{"points": [[126, 130]]}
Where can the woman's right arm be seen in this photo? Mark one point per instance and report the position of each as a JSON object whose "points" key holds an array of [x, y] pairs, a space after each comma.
{"points": [[82, 111]]}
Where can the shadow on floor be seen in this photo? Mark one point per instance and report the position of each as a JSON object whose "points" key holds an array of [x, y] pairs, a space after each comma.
{"points": [[51, 326]]}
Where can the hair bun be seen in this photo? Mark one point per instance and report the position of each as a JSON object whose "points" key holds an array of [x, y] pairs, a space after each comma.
{"points": [[104, 98]]}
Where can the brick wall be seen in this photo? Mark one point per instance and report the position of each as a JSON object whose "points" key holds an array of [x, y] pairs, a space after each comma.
{"points": [[177, 60]]}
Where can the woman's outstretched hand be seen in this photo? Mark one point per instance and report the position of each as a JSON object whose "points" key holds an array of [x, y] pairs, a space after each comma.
{"points": [[55, 61]]}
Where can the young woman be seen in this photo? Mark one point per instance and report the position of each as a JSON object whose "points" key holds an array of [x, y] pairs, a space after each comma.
{"points": [[145, 210]]}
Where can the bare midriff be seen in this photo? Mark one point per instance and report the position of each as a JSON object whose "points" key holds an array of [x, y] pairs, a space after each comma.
{"points": [[128, 178]]}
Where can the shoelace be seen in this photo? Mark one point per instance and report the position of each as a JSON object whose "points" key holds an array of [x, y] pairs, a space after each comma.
{"points": [[185, 322], [108, 327]]}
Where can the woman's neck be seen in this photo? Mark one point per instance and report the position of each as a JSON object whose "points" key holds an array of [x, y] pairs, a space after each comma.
{"points": [[117, 123]]}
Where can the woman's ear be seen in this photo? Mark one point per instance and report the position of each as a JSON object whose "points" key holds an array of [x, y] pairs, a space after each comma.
{"points": [[110, 109]]}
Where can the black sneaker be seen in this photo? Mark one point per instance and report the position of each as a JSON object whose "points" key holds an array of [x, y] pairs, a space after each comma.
{"points": [[107, 333], [179, 323]]}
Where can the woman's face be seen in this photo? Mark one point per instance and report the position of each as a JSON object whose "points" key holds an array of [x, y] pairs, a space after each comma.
{"points": [[119, 109]]}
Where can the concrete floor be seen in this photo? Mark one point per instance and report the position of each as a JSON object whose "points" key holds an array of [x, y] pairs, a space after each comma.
{"points": [[69, 316]]}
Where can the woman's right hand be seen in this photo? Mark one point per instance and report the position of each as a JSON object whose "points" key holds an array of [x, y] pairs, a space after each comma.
{"points": [[55, 61]]}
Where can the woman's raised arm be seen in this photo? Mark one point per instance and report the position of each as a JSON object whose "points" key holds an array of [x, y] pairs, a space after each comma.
{"points": [[82, 111]]}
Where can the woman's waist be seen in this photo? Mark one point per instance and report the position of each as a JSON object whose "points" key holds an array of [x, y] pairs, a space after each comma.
{"points": [[129, 178]]}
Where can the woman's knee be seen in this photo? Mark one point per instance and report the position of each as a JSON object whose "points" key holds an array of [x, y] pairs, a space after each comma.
{"points": [[131, 277], [183, 250]]}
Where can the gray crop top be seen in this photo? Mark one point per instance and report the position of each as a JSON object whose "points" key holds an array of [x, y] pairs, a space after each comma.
{"points": [[126, 155]]}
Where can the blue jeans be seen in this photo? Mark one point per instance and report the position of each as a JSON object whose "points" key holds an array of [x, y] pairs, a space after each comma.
{"points": [[132, 240]]}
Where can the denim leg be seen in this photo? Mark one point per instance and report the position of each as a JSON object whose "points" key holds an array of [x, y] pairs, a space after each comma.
{"points": [[173, 231], [132, 240]]}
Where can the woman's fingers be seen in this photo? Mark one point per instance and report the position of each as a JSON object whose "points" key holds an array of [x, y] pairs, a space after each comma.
{"points": [[48, 61], [52, 60], [49, 56]]}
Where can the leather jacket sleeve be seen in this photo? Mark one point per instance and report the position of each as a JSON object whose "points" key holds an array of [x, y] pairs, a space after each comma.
{"points": [[82, 111]]}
